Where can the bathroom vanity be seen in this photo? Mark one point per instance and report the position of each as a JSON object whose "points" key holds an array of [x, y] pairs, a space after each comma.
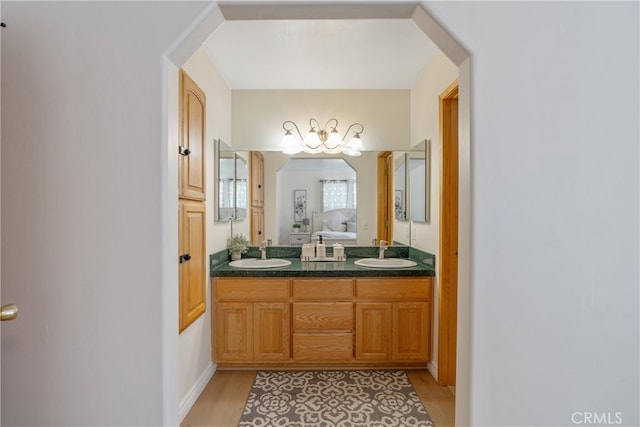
{"points": [[329, 314]]}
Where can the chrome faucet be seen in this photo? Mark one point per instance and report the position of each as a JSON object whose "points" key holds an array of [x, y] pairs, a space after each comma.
{"points": [[263, 249], [383, 247]]}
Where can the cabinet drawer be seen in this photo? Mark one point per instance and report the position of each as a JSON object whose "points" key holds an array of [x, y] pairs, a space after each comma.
{"points": [[299, 239], [322, 347], [394, 288], [323, 289], [239, 289], [323, 316]]}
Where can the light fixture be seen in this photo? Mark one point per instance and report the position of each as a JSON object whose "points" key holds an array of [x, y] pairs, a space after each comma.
{"points": [[321, 140]]}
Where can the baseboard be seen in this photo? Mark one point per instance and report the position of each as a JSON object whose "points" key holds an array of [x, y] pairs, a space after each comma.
{"points": [[433, 369], [187, 402]]}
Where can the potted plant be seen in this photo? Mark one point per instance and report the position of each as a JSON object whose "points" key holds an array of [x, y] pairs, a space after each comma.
{"points": [[296, 226], [237, 245]]}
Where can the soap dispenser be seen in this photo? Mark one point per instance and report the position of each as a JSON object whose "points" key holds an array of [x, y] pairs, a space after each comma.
{"points": [[321, 250]]}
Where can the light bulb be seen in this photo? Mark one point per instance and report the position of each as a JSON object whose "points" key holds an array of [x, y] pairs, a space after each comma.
{"points": [[312, 139], [289, 144]]}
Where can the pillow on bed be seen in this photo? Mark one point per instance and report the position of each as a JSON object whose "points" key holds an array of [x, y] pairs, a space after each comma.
{"points": [[336, 222]]}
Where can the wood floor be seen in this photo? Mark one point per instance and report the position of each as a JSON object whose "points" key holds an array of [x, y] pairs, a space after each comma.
{"points": [[222, 401]]}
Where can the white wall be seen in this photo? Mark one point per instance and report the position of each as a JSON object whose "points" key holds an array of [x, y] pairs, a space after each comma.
{"points": [[554, 273], [195, 341], [83, 184]]}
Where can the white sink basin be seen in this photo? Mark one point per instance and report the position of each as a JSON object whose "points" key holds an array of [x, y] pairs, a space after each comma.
{"points": [[260, 263], [385, 263]]}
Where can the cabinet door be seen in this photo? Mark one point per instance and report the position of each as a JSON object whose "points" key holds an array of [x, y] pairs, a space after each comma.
{"points": [[271, 331], [373, 331], [257, 179], [191, 164], [411, 331], [257, 225], [192, 267], [234, 325]]}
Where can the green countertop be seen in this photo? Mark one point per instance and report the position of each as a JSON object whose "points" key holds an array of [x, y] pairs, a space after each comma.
{"points": [[219, 264]]}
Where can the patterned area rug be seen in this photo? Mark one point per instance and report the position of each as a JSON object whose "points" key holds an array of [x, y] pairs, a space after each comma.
{"points": [[333, 398]]}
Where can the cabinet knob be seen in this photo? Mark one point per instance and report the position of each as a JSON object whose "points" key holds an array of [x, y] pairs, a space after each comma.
{"points": [[259, 185], [184, 258], [184, 151], [9, 312]]}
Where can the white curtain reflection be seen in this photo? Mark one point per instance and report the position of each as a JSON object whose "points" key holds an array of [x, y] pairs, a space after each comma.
{"points": [[338, 194]]}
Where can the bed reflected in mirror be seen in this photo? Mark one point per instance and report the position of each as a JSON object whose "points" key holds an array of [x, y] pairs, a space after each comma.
{"points": [[321, 192]]}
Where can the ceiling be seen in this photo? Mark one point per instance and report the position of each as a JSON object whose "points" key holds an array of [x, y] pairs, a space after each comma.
{"points": [[320, 54]]}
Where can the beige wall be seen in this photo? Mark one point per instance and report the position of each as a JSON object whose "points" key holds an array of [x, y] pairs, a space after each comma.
{"points": [[257, 115], [195, 341], [425, 124]]}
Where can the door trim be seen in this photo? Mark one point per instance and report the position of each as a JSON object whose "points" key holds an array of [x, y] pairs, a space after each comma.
{"points": [[448, 251]]}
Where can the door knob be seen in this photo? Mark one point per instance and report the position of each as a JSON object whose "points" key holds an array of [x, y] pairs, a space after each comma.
{"points": [[9, 312]]}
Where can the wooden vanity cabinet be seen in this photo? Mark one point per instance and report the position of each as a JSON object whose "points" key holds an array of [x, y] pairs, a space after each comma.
{"points": [[311, 322], [393, 319], [252, 320]]}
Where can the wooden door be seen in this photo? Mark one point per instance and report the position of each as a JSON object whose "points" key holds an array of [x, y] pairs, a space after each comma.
{"points": [[373, 331], [271, 331], [192, 267], [257, 225], [234, 331], [385, 196], [257, 179], [411, 331], [448, 264], [191, 165]]}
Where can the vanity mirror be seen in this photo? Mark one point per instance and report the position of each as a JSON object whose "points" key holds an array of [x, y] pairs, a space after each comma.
{"points": [[418, 177], [329, 187], [400, 186], [231, 183], [412, 183]]}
